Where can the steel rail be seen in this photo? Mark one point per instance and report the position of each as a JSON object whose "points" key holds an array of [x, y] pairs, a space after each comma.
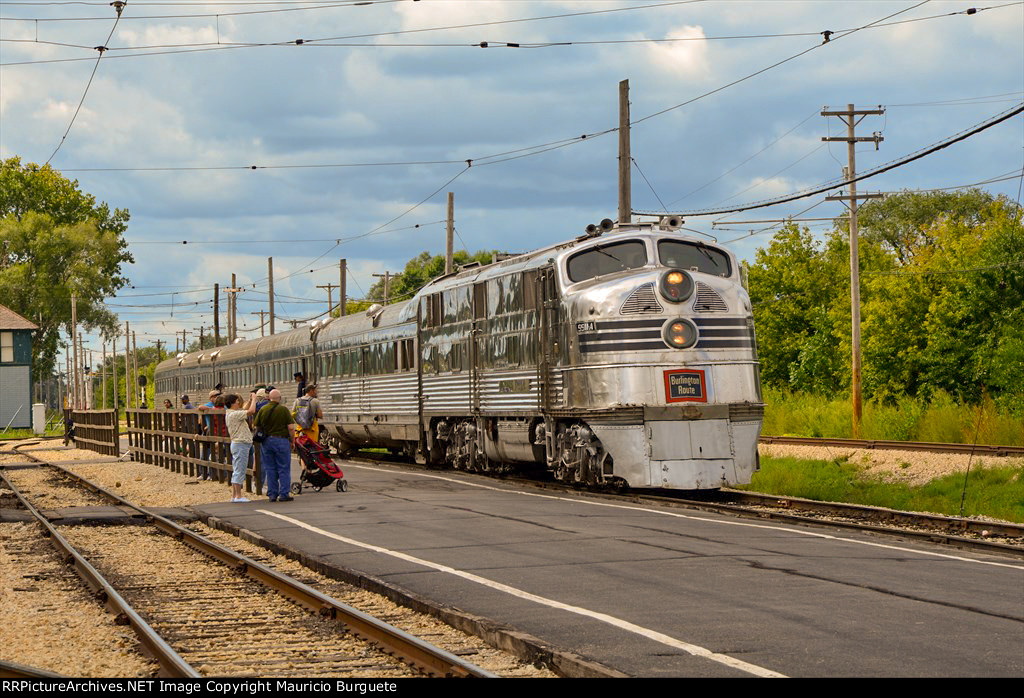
{"points": [[949, 523], [13, 670], [429, 659], [852, 511], [928, 446], [171, 663]]}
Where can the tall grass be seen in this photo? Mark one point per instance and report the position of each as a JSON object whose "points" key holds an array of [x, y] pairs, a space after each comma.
{"points": [[940, 419], [994, 492], [14, 434]]}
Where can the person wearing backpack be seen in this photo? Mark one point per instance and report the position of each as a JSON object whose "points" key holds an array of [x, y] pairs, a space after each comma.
{"points": [[307, 414]]}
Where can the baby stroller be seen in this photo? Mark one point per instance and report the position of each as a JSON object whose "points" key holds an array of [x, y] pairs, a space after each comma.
{"points": [[318, 469]]}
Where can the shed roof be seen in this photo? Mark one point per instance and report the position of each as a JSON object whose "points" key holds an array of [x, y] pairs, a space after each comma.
{"points": [[10, 320]]}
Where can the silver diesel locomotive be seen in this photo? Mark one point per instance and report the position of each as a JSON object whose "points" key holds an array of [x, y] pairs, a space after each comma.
{"points": [[623, 357]]}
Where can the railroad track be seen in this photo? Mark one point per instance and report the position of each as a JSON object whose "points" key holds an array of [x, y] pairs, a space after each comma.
{"points": [[927, 446], [215, 621]]}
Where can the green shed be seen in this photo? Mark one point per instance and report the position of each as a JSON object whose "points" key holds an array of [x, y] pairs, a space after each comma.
{"points": [[15, 369]]}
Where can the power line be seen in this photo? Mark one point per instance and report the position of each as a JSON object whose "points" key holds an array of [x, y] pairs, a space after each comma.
{"points": [[250, 241], [827, 40], [730, 171], [355, 3], [554, 145], [350, 3], [328, 42], [118, 7], [835, 184], [755, 185]]}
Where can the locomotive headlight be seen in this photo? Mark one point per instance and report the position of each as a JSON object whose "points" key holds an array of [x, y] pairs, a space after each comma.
{"points": [[679, 334], [675, 285]]}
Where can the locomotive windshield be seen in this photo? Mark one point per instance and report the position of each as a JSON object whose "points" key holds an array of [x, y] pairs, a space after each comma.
{"points": [[694, 257], [606, 259]]}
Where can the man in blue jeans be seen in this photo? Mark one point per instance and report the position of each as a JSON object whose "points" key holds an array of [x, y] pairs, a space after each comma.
{"points": [[276, 420]]}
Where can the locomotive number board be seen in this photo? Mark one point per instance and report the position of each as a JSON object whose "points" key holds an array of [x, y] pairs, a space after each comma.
{"points": [[685, 385]]}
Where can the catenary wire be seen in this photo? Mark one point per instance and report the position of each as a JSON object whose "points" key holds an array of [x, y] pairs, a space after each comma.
{"points": [[835, 184], [101, 49]]}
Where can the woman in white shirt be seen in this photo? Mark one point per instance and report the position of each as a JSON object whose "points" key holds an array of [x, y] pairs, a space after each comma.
{"points": [[236, 417]]}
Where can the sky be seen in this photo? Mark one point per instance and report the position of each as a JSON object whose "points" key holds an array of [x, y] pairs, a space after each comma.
{"points": [[358, 131]]}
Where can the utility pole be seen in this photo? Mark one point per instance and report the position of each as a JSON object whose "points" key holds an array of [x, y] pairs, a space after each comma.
{"points": [[216, 314], [270, 277], [103, 377], [329, 288], [449, 248], [234, 307], [850, 118], [387, 284], [127, 367], [625, 159], [82, 405], [135, 370], [261, 313], [74, 347], [342, 299], [113, 364], [201, 336]]}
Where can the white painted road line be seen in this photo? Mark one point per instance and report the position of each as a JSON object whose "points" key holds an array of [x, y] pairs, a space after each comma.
{"points": [[724, 522], [654, 635]]}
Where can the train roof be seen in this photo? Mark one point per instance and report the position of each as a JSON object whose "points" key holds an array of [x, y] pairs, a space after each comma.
{"points": [[551, 253], [405, 311]]}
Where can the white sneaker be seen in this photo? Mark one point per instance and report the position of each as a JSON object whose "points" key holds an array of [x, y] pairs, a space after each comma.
{"points": [[240, 499]]}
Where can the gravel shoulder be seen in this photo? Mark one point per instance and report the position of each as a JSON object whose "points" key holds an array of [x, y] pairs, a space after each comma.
{"points": [[908, 467], [51, 621]]}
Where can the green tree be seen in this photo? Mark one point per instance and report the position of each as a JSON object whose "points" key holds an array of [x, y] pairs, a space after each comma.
{"points": [[794, 283], [945, 319], [55, 241], [904, 222], [419, 271]]}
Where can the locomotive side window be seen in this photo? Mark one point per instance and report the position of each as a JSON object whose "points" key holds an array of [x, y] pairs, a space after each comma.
{"points": [[606, 259], [694, 257], [479, 301]]}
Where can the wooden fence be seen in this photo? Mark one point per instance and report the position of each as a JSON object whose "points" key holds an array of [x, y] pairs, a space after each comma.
{"points": [[95, 430], [187, 442]]}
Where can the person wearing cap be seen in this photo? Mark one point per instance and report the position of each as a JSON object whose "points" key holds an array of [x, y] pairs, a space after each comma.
{"points": [[310, 399], [261, 398], [301, 380], [186, 404]]}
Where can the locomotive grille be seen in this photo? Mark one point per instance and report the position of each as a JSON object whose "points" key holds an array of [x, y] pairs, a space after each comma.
{"points": [[641, 301], [708, 300]]}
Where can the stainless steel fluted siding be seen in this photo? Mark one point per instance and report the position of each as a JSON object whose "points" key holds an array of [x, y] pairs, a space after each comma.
{"points": [[449, 394]]}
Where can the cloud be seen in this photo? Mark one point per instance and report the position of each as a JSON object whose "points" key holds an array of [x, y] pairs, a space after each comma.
{"points": [[170, 35], [686, 57]]}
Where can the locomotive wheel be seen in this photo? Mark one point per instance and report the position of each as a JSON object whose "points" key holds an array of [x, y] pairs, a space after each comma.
{"points": [[296, 488], [341, 485]]}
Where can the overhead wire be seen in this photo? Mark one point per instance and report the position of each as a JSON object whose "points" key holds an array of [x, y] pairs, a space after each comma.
{"points": [[835, 184], [222, 46], [733, 169], [119, 8], [839, 37]]}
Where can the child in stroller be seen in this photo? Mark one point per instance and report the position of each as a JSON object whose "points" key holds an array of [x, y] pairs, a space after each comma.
{"points": [[318, 470]]}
